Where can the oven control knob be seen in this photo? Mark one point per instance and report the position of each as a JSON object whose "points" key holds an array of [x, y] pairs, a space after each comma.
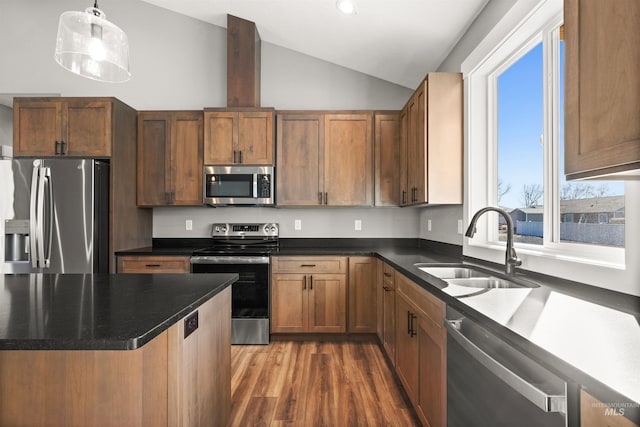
{"points": [[273, 228], [217, 229], [224, 229]]}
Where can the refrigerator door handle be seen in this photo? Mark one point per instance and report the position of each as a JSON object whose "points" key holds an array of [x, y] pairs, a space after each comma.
{"points": [[32, 214], [46, 259], [40, 218]]}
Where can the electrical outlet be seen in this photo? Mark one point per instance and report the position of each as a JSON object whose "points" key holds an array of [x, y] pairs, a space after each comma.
{"points": [[459, 226], [428, 225], [188, 225], [357, 225], [297, 224]]}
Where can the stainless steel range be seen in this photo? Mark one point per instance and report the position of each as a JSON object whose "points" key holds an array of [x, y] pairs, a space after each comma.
{"points": [[243, 249]]}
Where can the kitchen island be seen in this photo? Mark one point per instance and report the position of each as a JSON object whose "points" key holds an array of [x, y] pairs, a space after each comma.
{"points": [[115, 349]]}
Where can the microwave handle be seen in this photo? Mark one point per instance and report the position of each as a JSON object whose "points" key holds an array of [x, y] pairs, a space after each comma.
{"points": [[255, 185]]}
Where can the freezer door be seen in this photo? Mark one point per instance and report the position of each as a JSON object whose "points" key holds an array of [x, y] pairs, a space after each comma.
{"points": [[78, 231]]}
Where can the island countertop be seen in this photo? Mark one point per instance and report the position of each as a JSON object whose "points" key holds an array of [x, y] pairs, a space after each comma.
{"points": [[98, 311]]}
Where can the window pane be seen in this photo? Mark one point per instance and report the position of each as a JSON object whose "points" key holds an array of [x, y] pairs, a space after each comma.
{"points": [[590, 211], [520, 150]]}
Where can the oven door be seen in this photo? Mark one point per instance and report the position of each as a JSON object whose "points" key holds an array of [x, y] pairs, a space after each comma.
{"points": [[249, 295]]}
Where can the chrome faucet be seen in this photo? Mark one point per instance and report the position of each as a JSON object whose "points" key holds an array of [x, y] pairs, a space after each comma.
{"points": [[510, 258]]}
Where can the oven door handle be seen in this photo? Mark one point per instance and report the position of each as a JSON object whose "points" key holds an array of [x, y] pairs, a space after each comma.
{"points": [[546, 402], [230, 259]]}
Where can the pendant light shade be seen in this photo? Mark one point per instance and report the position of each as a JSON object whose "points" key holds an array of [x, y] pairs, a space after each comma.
{"points": [[92, 47]]}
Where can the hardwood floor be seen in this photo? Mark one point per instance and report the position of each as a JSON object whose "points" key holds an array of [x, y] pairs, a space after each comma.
{"points": [[292, 383]]}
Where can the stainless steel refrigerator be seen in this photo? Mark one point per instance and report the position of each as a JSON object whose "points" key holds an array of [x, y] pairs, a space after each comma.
{"points": [[55, 215]]}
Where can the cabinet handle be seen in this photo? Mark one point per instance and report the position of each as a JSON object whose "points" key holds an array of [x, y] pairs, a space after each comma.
{"points": [[234, 156], [408, 322], [413, 330], [57, 147], [319, 197], [404, 197], [326, 198], [307, 265], [304, 283], [152, 265], [240, 156], [311, 282], [62, 145]]}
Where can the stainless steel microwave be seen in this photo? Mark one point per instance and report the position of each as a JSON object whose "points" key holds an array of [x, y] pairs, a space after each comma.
{"points": [[238, 185]]}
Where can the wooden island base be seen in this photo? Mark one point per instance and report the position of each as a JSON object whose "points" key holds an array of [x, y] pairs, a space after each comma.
{"points": [[170, 381]]}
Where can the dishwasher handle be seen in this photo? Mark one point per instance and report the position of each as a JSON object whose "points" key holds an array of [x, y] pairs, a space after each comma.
{"points": [[546, 402]]}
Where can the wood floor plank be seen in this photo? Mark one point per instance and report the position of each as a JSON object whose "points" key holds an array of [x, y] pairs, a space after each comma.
{"points": [[297, 383]]}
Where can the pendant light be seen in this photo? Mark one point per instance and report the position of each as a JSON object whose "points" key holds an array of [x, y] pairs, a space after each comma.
{"points": [[92, 47]]}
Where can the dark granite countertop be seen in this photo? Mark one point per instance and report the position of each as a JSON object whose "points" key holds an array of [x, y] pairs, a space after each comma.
{"points": [[100, 311], [588, 335]]}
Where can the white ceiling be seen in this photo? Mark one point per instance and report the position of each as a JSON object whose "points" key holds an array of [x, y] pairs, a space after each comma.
{"points": [[395, 40]]}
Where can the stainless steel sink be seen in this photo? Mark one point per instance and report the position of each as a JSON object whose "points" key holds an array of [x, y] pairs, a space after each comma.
{"points": [[452, 272], [486, 283], [472, 277]]}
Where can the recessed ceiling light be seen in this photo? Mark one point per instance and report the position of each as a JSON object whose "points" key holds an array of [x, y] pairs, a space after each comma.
{"points": [[348, 7]]}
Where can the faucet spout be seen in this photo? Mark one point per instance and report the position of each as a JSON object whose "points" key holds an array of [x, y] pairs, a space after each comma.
{"points": [[510, 258]]}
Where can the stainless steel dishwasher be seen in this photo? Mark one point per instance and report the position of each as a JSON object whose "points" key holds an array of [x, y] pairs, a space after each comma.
{"points": [[489, 383]]}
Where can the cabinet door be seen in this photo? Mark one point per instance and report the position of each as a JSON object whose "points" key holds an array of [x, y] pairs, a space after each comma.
{"points": [[37, 126], [186, 158], [432, 393], [407, 347], [412, 150], [602, 125], [420, 150], [387, 151], [87, 128], [404, 193], [300, 154], [389, 325], [220, 137], [348, 167], [153, 183], [362, 294], [289, 303], [327, 303], [255, 138]]}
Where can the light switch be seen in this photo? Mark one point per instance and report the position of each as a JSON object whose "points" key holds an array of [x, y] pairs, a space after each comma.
{"points": [[297, 224], [428, 225], [459, 226], [357, 225], [188, 225]]}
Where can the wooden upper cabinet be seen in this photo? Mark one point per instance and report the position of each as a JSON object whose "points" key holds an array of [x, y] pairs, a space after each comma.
{"points": [[74, 127], [300, 152], [602, 89], [238, 137], [170, 153], [386, 154], [431, 142], [348, 155]]}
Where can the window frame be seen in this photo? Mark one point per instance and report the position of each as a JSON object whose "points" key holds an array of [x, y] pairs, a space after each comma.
{"points": [[522, 28]]}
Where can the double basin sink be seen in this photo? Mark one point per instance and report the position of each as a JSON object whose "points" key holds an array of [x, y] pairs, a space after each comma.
{"points": [[472, 277]]}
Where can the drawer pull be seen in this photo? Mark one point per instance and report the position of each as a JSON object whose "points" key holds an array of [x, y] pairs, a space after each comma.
{"points": [[387, 274], [152, 265], [307, 265]]}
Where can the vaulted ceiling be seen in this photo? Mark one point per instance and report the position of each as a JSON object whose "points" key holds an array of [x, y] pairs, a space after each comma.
{"points": [[394, 40]]}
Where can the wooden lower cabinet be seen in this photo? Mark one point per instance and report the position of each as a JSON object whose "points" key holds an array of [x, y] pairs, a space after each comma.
{"points": [[169, 381], [153, 264], [309, 294], [421, 351], [362, 294], [389, 313]]}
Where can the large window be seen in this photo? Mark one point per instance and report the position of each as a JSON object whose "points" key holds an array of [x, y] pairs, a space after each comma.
{"points": [[515, 146], [581, 212]]}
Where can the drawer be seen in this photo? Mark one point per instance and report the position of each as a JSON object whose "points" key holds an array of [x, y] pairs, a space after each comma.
{"points": [[430, 305], [309, 265], [388, 276], [153, 264]]}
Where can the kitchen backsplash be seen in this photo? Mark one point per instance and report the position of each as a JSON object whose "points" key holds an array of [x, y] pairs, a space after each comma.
{"points": [[328, 223]]}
